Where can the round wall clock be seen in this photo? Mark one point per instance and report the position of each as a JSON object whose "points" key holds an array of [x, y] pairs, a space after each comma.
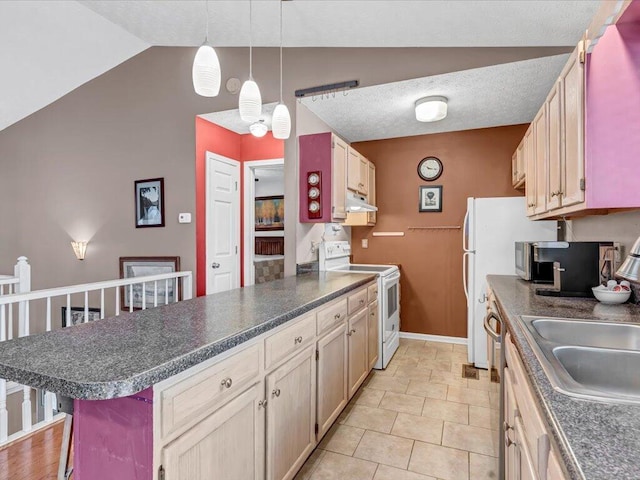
{"points": [[430, 168]]}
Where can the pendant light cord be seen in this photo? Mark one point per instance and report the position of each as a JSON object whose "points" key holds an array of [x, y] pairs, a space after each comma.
{"points": [[250, 40], [206, 38], [281, 51]]}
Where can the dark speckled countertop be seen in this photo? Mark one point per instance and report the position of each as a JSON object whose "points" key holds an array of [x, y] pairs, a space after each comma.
{"points": [[120, 356], [596, 440]]}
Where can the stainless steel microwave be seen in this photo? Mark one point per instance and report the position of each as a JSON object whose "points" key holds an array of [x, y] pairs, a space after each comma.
{"points": [[527, 268]]}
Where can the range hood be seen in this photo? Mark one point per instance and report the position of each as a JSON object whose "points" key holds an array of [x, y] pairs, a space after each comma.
{"points": [[358, 203]]}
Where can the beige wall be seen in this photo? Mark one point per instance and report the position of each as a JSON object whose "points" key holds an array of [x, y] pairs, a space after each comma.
{"points": [[67, 171], [621, 227]]}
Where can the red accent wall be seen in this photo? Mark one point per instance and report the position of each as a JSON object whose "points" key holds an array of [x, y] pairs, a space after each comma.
{"points": [[265, 148], [214, 138]]}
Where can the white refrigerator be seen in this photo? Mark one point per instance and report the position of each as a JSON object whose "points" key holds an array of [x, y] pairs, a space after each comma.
{"points": [[491, 228]]}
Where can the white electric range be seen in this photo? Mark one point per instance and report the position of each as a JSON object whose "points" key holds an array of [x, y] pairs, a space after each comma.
{"points": [[334, 257]]}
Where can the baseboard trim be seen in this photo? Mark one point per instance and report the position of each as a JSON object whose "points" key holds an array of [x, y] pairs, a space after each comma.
{"points": [[434, 338]]}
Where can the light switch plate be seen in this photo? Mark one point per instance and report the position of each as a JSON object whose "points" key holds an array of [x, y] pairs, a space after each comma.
{"points": [[184, 218], [365, 243]]}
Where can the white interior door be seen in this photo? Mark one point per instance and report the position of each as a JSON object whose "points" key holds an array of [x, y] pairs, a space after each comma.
{"points": [[223, 223]]}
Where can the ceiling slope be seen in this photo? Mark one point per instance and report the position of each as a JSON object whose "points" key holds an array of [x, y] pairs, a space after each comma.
{"points": [[355, 23], [52, 47]]}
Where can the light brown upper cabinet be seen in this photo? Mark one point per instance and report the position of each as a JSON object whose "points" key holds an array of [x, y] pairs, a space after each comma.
{"points": [[528, 152], [540, 139], [357, 172], [572, 127], [518, 167], [553, 147], [371, 197]]}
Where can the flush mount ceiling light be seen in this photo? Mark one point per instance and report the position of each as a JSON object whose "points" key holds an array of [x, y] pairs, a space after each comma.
{"points": [[281, 122], [258, 129], [206, 67], [431, 109], [250, 101]]}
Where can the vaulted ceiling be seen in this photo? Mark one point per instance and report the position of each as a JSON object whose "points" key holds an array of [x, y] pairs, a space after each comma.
{"points": [[56, 46]]}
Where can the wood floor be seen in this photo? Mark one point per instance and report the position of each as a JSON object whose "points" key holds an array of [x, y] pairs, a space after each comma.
{"points": [[33, 458]]}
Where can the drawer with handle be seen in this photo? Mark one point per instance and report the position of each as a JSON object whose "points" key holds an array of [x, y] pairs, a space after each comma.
{"points": [[195, 397], [291, 339], [357, 301], [331, 316], [372, 292]]}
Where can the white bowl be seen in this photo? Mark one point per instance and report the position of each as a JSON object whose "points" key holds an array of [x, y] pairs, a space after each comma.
{"points": [[609, 296]]}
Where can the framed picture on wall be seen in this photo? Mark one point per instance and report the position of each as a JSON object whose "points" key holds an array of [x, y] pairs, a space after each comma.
{"points": [[149, 198], [270, 213], [132, 267], [430, 198], [77, 316]]}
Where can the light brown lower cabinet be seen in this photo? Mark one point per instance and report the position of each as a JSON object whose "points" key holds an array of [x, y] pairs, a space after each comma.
{"points": [[358, 340], [227, 444], [259, 413], [332, 378], [291, 392], [528, 451]]}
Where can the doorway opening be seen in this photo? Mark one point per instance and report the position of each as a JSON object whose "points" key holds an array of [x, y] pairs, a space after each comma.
{"points": [[263, 221]]}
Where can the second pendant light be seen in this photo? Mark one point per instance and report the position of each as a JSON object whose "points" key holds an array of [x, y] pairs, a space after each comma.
{"points": [[250, 101]]}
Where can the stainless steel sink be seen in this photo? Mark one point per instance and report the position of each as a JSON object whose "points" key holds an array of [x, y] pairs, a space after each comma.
{"points": [[589, 333], [610, 372], [588, 359]]}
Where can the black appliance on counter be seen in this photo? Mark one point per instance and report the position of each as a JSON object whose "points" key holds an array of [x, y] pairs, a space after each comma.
{"points": [[573, 268]]}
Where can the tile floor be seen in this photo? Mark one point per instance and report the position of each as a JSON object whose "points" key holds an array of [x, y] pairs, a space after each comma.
{"points": [[416, 420]]}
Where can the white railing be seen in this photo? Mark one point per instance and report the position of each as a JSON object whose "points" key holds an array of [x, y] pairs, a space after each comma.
{"points": [[137, 293]]}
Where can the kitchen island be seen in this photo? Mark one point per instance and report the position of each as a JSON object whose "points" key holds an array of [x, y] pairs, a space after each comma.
{"points": [[112, 367], [595, 440]]}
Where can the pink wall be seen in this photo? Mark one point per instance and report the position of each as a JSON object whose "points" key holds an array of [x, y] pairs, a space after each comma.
{"points": [[214, 138], [113, 438], [613, 118], [315, 155]]}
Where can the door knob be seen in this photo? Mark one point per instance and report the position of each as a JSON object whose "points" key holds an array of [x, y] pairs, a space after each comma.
{"points": [[215, 265]]}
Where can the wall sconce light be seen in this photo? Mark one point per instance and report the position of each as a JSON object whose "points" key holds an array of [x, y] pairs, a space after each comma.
{"points": [[79, 248]]}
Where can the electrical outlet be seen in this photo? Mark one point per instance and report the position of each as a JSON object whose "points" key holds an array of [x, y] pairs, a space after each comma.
{"points": [[617, 252], [365, 243]]}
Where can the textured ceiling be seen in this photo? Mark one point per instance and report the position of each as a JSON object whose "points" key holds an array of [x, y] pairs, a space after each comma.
{"points": [[504, 94], [230, 119], [355, 23]]}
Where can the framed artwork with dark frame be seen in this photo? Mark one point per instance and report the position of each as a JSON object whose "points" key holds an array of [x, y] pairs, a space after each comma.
{"points": [[149, 197], [430, 198], [269, 213], [131, 267], [76, 316]]}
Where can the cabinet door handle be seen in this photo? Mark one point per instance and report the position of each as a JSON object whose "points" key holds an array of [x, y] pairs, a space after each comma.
{"points": [[337, 316], [373, 314], [227, 382], [262, 403], [361, 301], [507, 440], [276, 392], [297, 340], [215, 265]]}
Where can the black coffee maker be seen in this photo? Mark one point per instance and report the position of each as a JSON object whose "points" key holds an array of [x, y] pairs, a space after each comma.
{"points": [[576, 266]]}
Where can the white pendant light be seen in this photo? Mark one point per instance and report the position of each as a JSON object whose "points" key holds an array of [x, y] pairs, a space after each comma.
{"points": [[431, 109], [258, 129], [250, 101], [281, 121], [206, 72]]}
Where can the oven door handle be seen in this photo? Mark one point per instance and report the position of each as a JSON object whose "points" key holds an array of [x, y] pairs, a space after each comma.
{"points": [[487, 326]]}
